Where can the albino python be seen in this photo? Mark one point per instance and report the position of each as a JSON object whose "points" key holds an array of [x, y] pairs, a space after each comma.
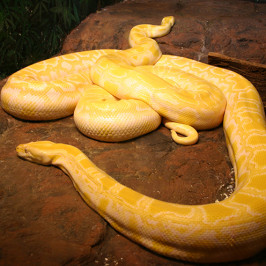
{"points": [[188, 94]]}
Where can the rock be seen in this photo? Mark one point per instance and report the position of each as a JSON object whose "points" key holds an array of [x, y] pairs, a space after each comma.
{"points": [[44, 221], [233, 28]]}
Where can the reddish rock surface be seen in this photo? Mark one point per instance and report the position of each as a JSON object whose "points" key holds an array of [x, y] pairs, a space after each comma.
{"points": [[234, 28], [43, 219]]}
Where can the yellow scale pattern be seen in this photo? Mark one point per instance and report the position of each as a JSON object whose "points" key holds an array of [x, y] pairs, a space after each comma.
{"points": [[233, 229]]}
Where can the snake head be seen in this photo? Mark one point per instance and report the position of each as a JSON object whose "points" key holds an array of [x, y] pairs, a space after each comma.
{"points": [[37, 152]]}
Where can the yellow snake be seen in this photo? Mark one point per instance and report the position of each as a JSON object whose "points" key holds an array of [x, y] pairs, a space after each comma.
{"points": [[233, 229]]}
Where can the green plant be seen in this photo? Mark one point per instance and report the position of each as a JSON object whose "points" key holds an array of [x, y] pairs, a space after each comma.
{"points": [[32, 30]]}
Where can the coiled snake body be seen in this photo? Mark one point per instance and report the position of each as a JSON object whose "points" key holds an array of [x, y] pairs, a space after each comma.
{"points": [[181, 90]]}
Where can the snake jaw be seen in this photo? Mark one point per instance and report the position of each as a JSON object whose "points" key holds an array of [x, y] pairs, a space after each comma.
{"points": [[34, 152], [22, 151]]}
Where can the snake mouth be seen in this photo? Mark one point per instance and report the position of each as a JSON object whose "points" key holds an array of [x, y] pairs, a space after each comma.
{"points": [[21, 150], [24, 152], [34, 153]]}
